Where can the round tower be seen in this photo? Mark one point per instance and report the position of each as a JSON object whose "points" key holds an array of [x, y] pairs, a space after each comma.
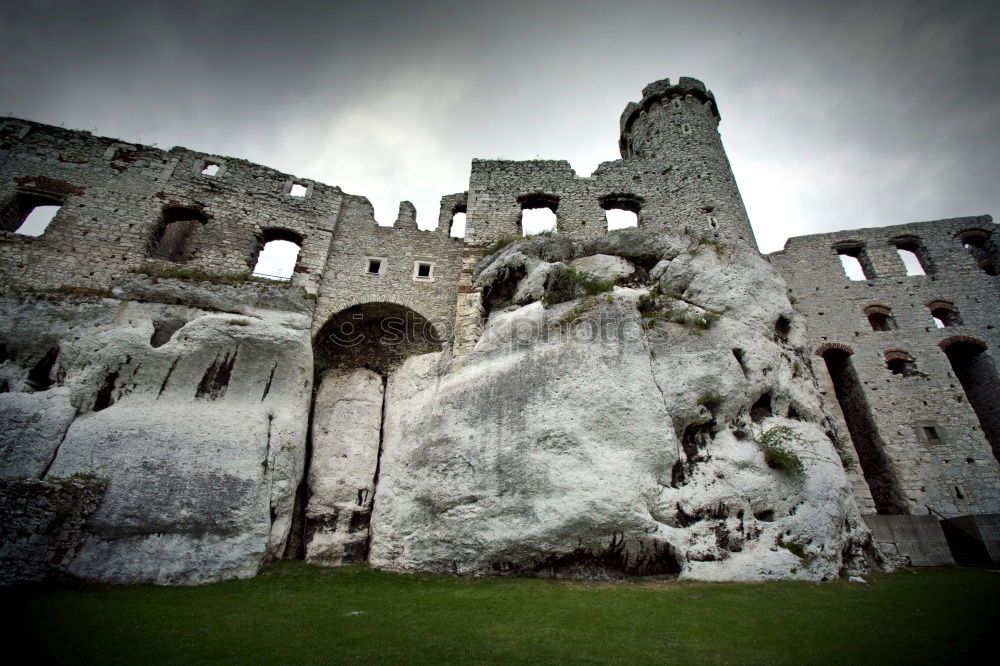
{"points": [[676, 126]]}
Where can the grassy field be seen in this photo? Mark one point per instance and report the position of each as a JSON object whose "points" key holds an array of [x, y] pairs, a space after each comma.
{"points": [[296, 613]]}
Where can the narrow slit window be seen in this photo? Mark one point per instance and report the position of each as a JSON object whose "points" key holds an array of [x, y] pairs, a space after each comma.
{"points": [[911, 261], [854, 259], [974, 241], [852, 267], [457, 225]]}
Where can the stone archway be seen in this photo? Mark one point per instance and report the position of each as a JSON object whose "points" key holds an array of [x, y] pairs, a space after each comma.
{"points": [[375, 335], [355, 352]]}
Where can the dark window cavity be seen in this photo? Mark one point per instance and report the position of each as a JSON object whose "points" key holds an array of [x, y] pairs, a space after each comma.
{"points": [[944, 313], [880, 317], [977, 373], [423, 270], [864, 432], [974, 241], [900, 362], [174, 238]]}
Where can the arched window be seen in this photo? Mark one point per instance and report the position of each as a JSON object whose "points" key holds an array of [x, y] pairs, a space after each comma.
{"points": [[977, 373], [913, 254], [173, 239], [538, 213], [974, 241], [945, 314], [861, 425], [880, 317], [855, 261], [899, 362], [621, 210], [457, 228], [278, 250]]}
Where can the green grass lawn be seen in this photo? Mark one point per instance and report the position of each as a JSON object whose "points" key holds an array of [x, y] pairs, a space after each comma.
{"points": [[295, 613]]}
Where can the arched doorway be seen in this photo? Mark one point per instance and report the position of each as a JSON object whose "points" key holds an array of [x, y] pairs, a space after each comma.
{"points": [[355, 353]]}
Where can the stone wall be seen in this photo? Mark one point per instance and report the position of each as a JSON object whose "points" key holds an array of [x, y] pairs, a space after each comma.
{"points": [[43, 525], [114, 197], [348, 281], [951, 469]]}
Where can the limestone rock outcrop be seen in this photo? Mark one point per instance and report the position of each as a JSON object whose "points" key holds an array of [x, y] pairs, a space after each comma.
{"points": [[196, 420], [671, 428]]}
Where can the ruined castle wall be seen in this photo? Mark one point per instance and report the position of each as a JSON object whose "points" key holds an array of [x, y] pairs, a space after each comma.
{"points": [[398, 249], [674, 167], [957, 472], [113, 198]]}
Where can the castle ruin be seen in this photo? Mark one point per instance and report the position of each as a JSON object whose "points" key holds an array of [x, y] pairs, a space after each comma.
{"points": [[658, 400]]}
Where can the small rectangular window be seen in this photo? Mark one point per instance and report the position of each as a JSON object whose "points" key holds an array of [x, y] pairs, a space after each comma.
{"points": [[297, 190], [423, 270], [210, 170], [374, 266], [931, 433]]}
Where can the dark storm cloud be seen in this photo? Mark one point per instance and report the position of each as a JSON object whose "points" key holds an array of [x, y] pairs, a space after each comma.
{"points": [[834, 114]]}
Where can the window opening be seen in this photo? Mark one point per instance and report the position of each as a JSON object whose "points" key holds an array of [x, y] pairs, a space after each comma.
{"points": [[276, 260], [423, 270], [913, 255], [854, 259], [374, 266], [880, 318], [211, 169], [538, 213], [298, 190], [864, 432], [900, 363], [173, 240], [974, 241], [944, 314], [30, 213], [977, 373], [458, 220]]}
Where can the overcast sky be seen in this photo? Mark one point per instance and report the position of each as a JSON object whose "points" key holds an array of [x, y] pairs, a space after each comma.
{"points": [[834, 114]]}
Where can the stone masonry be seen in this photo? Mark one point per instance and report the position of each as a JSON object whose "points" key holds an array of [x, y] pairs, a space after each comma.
{"points": [[932, 438]]}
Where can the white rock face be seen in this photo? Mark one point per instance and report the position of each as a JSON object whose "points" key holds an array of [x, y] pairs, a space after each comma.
{"points": [[32, 427], [202, 438], [604, 267], [347, 421], [621, 433]]}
